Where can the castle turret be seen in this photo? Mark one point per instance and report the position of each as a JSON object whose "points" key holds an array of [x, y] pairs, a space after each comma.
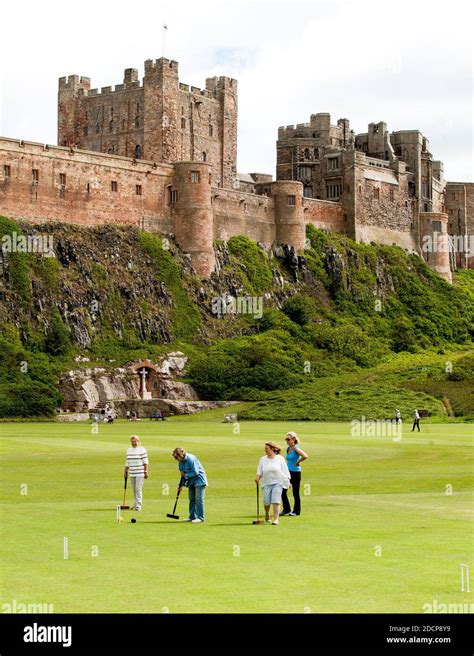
{"points": [[288, 202], [193, 222], [435, 243], [70, 116], [161, 88]]}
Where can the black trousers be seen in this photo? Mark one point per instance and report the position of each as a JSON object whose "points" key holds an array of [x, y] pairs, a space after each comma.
{"points": [[295, 478], [416, 423]]}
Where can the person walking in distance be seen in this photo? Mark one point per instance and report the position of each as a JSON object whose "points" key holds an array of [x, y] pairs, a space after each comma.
{"points": [[195, 480], [398, 416], [136, 467], [294, 457], [416, 421], [273, 472]]}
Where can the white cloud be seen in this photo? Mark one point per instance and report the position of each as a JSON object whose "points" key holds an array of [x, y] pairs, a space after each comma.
{"points": [[407, 63]]}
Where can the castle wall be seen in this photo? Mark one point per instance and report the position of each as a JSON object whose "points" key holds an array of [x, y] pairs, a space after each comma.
{"points": [[325, 215], [240, 213], [87, 197]]}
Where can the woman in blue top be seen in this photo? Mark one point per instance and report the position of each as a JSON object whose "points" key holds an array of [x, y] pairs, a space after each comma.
{"points": [[294, 458], [195, 480]]}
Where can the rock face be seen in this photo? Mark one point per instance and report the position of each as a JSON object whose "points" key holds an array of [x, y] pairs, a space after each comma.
{"points": [[90, 388]]}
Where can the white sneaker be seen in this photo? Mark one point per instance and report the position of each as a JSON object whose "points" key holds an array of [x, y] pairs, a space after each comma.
{"points": [[196, 521], [269, 521], [275, 523], [188, 519]]}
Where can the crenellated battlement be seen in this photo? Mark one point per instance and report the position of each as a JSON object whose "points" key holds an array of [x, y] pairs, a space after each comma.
{"points": [[160, 64], [74, 82]]}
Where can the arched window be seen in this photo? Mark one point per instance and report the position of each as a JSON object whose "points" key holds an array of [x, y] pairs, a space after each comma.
{"points": [[138, 151], [203, 156]]}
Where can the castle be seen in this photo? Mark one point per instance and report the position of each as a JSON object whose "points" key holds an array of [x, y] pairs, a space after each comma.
{"points": [[162, 156]]}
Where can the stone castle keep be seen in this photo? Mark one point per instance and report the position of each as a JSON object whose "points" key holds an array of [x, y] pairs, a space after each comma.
{"points": [[161, 155]]}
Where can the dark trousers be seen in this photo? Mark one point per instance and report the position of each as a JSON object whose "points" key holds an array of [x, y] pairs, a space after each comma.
{"points": [[295, 478], [416, 423]]}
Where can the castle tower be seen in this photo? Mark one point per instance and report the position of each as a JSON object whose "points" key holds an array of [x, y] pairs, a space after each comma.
{"points": [[289, 219], [435, 243], [162, 120], [70, 114], [193, 222], [161, 88]]}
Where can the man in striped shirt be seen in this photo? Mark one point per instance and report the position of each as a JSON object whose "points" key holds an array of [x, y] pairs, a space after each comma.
{"points": [[136, 466]]}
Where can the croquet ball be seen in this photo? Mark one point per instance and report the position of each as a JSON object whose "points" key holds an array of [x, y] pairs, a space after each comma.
{"points": [[133, 520], [120, 520]]}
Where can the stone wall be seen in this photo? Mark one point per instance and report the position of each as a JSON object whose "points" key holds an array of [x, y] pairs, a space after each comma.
{"points": [[97, 188]]}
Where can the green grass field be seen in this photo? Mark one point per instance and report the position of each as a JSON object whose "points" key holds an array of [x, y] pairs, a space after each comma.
{"points": [[379, 531]]}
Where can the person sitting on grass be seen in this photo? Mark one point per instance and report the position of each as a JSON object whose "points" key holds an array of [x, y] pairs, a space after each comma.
{"points": [[273, 472], [195, 480]]}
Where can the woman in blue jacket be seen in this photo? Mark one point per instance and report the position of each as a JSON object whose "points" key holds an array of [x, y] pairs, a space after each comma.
{"points": [[195, 480]]}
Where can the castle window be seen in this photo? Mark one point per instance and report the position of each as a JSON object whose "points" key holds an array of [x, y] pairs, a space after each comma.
{"points": [[183, 123], [138, 151], [436, 226], [6, 171], [333, 191], [113, 185], [34, 177], [203, 156], [426, 207], [304, 173], [376, 193], [86, 130], [62, 185], [392, 195], [307, 154], [195, 176], [360, 189], [308, 191], [333, 163], [137, 121], [111, 150], [88, 188], [211, 131], [172, 196], [138, 190], [111, 126], [291, 200]]}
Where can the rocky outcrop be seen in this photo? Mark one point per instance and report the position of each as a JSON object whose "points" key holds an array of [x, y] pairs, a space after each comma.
{"points": [[89, 388]]}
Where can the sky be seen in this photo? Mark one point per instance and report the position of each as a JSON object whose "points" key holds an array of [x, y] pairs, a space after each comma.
{"points": [[406, 62]]}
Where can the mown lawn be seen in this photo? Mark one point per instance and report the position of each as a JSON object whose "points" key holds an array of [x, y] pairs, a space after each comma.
{"points": [[384, 528]]}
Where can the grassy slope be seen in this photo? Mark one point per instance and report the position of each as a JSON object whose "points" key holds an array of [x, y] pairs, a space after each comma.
{"points": [[364, 493], [404, 381]]}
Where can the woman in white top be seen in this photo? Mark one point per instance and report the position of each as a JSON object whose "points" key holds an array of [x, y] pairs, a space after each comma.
{"points": [[273, 472]]}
